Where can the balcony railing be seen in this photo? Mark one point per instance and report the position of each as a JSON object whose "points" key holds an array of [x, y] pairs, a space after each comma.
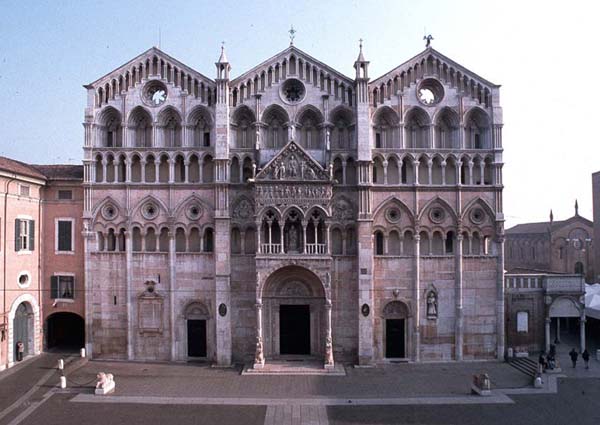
{"points": [[309, 249], [316, 248], [270, 248]]}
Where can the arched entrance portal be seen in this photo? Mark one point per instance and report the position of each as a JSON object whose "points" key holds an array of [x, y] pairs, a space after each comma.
{"points": [[65, 331], [23, 330], [395, 336], [295, 314]]}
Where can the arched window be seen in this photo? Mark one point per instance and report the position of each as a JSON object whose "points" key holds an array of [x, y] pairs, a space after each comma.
{"points": [[170, 124], [150, 240], [379, 243], [446, 129], [201, 124], [477, 130], [309, 132], [337, 247], [275, 132], [234, 170], [342, 133], [180, 240], [208, 240], [385, 128], [140, 124], [136, 239], [163, 240], [393, 172], [579, 268], [111, 133], [394, 243], [236, 242], [194, 242], [242, 128], [250, 241], [207, 169], [378, 174], [416, 126]]}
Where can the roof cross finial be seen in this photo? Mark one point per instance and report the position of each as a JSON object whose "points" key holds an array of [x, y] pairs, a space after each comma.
{"points": [[576, 207], [428, 39], [292, 32]]}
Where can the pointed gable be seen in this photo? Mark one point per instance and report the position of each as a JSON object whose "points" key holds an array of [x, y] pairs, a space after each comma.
{"points": [[293, 163], [430, 62], [291, 57], [153, 62]]}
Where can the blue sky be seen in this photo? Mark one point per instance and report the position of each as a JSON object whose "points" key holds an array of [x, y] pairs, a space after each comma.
{"points": [[542, 52]]}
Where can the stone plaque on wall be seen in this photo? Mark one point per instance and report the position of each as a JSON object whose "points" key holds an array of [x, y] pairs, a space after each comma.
{"points": [[150, 314]]}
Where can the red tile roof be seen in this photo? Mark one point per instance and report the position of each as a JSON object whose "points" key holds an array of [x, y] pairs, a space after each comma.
{"points": [[18, 167], [61, 171]]}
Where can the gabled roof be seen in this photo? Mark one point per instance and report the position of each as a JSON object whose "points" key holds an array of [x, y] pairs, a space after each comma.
{"points": [[18, 167], [150, 53], [430, 51], [292, 162], [299, 54], [543, 227]]}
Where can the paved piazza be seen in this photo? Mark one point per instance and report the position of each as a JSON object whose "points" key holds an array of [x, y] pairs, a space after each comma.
{"points": [[437, 393]]}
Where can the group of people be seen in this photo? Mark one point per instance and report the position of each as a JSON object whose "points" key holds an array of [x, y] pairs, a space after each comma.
{"points": [[549, 361], [585, 356]]}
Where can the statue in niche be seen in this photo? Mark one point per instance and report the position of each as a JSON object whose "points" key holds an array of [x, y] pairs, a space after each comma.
{"points": [[293, 164], [328, 351], [432, 305], [259, 357], [293, 240], [310, 174]]}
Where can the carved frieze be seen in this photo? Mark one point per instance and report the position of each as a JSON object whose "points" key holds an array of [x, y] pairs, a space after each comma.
{"points": [[243, 210], [293, 164], [302, 195]]}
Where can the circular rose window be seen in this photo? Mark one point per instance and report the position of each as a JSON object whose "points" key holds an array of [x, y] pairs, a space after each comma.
{"points": [[477, 216], [293, 91], [24, 279], [392, 215], [437, 215], [150, 210], [194, 212], [155, 93], [109, 212], [430, 92]]}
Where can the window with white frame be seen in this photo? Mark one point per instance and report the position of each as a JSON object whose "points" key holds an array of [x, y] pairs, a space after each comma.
{"points": [[64, 235], [62, 287], [24, 234], [23, 190]]}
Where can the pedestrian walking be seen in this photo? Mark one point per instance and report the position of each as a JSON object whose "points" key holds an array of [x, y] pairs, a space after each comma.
{"points": [[586, 358], [542, 363], [20, 350], [573, 354]]}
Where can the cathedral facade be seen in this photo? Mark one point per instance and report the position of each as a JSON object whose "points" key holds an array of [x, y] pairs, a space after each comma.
{"points": [[293, 211]]}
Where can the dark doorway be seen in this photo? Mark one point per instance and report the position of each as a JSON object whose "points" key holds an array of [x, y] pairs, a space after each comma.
{"points": [[294, 329], [65, 331], [22, 325], [394, 338], [196, 338]]}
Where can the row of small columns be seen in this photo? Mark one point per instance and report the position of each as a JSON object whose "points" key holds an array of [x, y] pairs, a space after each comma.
{"points": [[401, 238], [278, 248], [157, 138], [143, 162], [416, 164], [582, 321]]}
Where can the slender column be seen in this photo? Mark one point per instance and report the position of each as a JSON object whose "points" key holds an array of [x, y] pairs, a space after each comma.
{"points": [[458, 173], [270, 224], [329, 363], [242, 242], [172, 280], [429, 171], [89, 246], [470, 172], [115, 170], [500, 321], [385, 172], [171, 170], [328, 235], [281, 238], [557, 330], [104, 166], [416, 297], [304, 225], [156, 170], [128, 170], [459, 327], [547, 334], [416, 169], [344, 163], [259, 357], [259, 236], [444, 172], [129, 301], [143, 171], [582, 332], [186, 178], [481, 171]]}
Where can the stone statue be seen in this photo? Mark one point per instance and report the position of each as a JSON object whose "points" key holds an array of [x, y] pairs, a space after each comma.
{"points": [[105, 380], [328, 351], [259, 357], [293, 239], [432, 310], [293, 164]]}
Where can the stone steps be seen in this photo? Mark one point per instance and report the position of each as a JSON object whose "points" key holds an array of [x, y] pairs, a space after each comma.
{"points": [[524, 365]]}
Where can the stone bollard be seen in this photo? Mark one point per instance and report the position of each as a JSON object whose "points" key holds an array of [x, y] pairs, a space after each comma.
{"points": [[510, 353], [537, 382], [61, 364], [63, 382], [82, 352]]}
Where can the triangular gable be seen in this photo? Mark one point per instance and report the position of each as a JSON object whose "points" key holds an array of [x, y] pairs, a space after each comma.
{"points": [[409, 65], [292, 163], [285, 55], [149, 54]]}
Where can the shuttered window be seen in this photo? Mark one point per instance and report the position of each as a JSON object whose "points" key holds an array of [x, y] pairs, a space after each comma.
{"points": [[64, 235], [24, 235], [62, 287]]}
